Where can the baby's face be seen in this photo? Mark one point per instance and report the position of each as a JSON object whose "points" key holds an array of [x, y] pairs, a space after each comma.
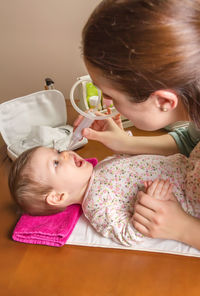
{"points": [[65, 171]]}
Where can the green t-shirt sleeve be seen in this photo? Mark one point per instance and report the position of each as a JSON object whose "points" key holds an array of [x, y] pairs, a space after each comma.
{"points": [[186, 139]]}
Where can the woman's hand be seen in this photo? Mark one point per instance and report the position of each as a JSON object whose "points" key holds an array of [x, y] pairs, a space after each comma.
{"points": [[108, 131], [162, 218]]}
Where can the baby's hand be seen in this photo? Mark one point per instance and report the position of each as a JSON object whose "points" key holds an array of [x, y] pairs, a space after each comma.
{"points": [[160, 189]]}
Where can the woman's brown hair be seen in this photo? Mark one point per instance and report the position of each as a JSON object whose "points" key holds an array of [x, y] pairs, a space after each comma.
{"points": [[143, 46]]}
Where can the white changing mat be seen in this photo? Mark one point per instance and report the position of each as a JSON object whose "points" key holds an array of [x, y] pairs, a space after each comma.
{"points": [[57, 137], [84, 235]]}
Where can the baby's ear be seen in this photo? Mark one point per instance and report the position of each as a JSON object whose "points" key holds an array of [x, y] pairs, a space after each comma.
{"points": [[54, 198]]}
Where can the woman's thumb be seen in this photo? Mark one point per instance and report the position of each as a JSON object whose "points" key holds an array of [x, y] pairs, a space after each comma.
{"points": [[92, 134]]}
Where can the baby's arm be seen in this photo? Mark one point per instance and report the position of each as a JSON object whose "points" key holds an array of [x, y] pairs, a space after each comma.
{"points": [[114, 223], [160, 189]]}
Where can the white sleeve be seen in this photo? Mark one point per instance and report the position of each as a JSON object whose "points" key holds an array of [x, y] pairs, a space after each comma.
{"points": [[114, 223]]}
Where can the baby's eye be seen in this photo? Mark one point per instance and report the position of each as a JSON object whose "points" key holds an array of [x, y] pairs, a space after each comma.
{"points": [[56, 162]]}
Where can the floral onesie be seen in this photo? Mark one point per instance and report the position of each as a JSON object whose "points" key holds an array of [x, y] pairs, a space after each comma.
{"points": [[110, 198]]}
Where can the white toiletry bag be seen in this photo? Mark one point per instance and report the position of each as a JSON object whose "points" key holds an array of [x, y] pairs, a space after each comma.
{"points": [[36, 119]]}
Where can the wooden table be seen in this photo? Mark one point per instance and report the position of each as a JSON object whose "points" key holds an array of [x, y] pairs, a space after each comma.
{"points": [[76, 271]]}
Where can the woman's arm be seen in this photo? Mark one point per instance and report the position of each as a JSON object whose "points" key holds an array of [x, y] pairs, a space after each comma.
{"points": [[110, 134], [160, 145]]}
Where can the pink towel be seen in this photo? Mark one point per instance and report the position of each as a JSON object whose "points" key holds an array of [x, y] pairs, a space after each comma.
{"points": [[53, 230]]}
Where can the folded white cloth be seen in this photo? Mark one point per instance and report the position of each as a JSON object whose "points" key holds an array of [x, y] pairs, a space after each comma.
{"points": [[57, 138]]}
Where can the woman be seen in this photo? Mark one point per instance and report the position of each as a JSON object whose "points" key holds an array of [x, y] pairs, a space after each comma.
{"points": [[144, 55]]}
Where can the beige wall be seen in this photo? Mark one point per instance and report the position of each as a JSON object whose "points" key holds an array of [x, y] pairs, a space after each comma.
{"points": [[39, 39]]}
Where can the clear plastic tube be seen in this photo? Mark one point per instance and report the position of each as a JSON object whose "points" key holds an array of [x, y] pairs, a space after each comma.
{"points": [[89, 117], [77, 135], [86, 114]]}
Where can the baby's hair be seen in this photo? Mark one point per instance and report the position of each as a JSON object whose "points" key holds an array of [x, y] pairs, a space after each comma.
{"points": [[27, 191], [144, 46]]}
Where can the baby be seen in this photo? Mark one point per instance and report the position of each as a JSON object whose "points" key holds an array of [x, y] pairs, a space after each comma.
{"points": [[45, 181]]}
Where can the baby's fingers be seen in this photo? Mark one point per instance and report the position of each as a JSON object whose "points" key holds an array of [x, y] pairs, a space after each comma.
{"points": [[147, 184], [160, 189], [169, 192], [151, 187], [165, 190]]}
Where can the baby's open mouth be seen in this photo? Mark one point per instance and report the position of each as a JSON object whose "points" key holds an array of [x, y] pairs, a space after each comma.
{"points": [[78, 162]]}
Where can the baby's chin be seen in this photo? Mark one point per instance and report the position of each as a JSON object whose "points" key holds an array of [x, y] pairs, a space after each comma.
{"points": [[90, 167]]}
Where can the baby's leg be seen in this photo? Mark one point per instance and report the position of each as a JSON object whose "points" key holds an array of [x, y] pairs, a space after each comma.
{"points": [[160, 189]]}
